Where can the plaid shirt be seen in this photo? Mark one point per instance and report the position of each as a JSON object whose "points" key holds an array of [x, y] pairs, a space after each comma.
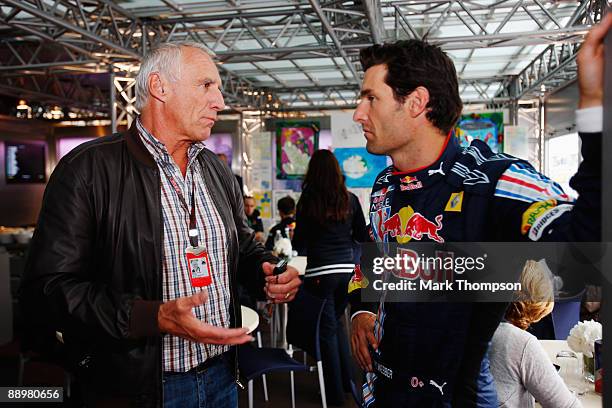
{"points": [[180, 355]]}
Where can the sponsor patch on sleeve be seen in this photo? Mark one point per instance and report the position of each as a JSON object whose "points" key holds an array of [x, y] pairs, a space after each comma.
{"points": [[533, 212], [546, 219]]}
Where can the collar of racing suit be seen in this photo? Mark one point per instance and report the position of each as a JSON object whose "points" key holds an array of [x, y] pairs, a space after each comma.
{"points": [[428, 175]]}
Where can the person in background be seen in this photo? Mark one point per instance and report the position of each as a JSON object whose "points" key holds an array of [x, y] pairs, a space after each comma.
{"points": [[108, 266], [329, 220], [286, 210], [224, 159], [519, 364], [253, 219]]}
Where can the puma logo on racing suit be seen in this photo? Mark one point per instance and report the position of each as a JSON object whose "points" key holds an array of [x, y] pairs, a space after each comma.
{"points": [[432, 382], [432, 172]]}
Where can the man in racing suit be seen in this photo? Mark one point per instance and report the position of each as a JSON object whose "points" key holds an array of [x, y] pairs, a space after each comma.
{"points": [[431, 354]]}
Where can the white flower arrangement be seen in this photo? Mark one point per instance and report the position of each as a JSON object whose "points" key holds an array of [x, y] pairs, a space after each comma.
{"points": [[582, 337], [283, 248]]}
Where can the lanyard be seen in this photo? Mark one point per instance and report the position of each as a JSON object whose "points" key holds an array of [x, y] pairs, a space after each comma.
{"points": [[193, 230]]}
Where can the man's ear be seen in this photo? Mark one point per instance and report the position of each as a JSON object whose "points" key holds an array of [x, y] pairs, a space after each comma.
{"points": [[416, 102], [156, 87]]}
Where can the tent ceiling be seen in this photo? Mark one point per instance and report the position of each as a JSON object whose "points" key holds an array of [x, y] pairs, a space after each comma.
{"points": [[300, 53]]}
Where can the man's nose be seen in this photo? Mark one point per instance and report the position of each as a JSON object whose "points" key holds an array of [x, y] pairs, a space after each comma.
{"points": [[217, 102], [360, 114]]}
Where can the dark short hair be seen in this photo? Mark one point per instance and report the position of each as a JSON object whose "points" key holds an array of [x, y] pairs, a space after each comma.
{"points": [[414, 63], [286, 205]]}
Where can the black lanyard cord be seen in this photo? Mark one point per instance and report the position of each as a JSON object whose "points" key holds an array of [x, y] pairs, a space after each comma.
{"points": [[193, 228]]}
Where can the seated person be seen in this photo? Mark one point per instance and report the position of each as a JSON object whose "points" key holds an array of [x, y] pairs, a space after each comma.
{"points": [[252, 215], [286, 210], [519, 364]]}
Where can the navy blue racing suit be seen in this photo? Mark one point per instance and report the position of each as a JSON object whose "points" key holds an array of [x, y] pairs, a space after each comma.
{"points": [[431, 354]]}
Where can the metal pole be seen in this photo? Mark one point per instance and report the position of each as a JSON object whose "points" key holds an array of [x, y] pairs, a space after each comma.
{"points": [[541, 132], [513, 107], [374, 14], [242, 148], [113, 108]]}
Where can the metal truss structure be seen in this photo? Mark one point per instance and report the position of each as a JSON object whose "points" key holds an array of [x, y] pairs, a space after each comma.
{"points": [[285, 55], [250, 122], [524, 44]]}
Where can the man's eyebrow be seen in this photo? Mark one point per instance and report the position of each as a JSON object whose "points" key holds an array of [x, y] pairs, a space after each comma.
{"points": [[365, 92]]}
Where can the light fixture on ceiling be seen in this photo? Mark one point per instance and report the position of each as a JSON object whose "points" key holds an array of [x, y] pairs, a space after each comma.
{"points": [[22, 105], [54, 112], [23, 110], [542, 90]]}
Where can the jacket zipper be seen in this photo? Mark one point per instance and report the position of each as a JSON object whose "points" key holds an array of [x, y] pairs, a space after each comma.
{"points": [[160, 277], [233, 263]]}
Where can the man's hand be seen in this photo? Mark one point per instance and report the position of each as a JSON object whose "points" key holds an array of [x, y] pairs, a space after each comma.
{"points": [[362, 335], [591, 65], [281, 288], [176, 317]]}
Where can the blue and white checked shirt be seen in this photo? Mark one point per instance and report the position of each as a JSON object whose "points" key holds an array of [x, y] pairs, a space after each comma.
{"points": [[180, 355]]}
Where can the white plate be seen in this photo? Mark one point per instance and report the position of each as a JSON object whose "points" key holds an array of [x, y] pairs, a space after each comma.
{"points": [[299, 263], [250, 318]]}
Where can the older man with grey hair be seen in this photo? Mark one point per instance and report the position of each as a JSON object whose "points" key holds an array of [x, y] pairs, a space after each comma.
{"points": [[135, 256]]}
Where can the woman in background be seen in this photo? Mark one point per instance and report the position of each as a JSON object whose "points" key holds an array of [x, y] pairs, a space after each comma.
{"points": [[519, 364], [329, 221]]}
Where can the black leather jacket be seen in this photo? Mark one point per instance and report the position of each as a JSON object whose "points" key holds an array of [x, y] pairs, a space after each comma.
{"points": [[94, 271]]}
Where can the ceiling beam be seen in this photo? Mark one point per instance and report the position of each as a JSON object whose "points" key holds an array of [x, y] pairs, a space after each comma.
{"points": [[330, 31]]}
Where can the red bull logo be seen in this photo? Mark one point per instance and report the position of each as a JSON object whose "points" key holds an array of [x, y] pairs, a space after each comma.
{"points": [[407, 224], [413, 267], [393, 226], [408, 180], [418, 226], [410, 183]]}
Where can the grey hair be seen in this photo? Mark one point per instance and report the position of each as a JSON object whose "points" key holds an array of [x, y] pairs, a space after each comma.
{"points": [[164, 60]]}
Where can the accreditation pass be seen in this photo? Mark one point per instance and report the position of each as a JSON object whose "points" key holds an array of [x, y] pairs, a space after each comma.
{"points": [[31, 394]]}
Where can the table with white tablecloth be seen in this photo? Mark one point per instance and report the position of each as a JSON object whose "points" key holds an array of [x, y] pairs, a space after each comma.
{"points": [[590, 399]]}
